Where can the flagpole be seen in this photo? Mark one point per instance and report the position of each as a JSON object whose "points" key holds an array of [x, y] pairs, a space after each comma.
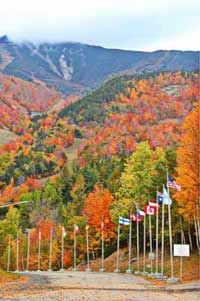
{"points": [[74, 269], [163, 237], [50, 249], [129, 270], [157, 234], [102, 269], [39, 250], [138, 247], [62, 263], [144, 246], [170, 235], [9, 251], [17, 254], [88, 255], [150, 238], [28, 249], [190, 238], [118, 237], [181, 257]]}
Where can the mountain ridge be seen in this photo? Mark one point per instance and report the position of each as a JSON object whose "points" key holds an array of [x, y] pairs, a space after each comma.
{"points": [[74, 67]]}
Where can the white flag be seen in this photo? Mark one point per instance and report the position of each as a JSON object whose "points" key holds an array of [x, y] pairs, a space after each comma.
{"points": [[76, 228], [64, 232]]}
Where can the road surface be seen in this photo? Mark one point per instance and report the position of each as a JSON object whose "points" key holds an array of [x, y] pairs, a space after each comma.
{"points": [[74, 286]]}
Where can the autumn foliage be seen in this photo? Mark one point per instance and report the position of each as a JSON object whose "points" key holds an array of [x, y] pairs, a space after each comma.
{"points": [[188, 169]]}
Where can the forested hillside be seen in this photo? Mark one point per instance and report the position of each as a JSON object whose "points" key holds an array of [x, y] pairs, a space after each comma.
{"points": [[125, 134], [18, 98]]}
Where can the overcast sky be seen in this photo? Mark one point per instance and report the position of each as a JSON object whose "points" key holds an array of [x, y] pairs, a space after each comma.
{"points": [[125, 24]]}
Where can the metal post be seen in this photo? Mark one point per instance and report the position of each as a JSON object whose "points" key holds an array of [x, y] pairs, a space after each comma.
{"points": [[138, 246], [74, 269], [28, 249], [9, 251], [62, 251], [118, 238], [181, 258], [17, 253], [172, 279], [157, 234], [39, 249], [88, 255], [129, 247], [163, 238], [170, 241], [190, 238], [144, 247], [50, 249], [150, 238], [102, 269]]}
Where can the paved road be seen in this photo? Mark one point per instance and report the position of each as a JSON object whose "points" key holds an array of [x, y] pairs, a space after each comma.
{"points": [[73, 286]]}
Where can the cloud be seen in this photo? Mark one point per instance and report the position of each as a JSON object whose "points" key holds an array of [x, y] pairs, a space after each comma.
{"points": [[127, 24]]}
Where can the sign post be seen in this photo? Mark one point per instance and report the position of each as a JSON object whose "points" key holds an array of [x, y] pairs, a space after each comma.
{"points": [[181, 250]]}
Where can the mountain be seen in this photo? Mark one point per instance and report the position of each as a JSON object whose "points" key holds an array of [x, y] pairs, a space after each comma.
{"points": [[20, 98], [75, 67]]}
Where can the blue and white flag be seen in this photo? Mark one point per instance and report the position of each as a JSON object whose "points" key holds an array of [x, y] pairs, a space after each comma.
{"points": [[124, 221], [166, 198], [140, 213], [159, 197]]}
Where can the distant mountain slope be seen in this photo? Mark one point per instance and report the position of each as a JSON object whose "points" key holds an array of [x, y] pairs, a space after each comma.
{"points": [[19, 97], [76, 67]]}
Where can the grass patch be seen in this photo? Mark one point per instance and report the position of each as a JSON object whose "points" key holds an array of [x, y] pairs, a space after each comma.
{"points": [[9, 277], [6, 136], [72, 151]]}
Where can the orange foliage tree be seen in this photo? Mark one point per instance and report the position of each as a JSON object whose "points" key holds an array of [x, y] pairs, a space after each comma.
{"points": [[188, 159], [97, 209]]}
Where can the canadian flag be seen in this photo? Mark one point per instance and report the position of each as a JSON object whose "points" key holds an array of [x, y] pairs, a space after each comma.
{"points": [[149, 210], [135, 218], [154, 206]]}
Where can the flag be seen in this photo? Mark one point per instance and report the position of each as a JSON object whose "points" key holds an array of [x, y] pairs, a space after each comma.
{"points": [[124, 221], [166, 199], [135, 218], [154, 205], [140, 213], [102, 225], [172, 184], [64, 233], [39, 235], [76, 228], [159, 197], [87, 227], [149, 210]]}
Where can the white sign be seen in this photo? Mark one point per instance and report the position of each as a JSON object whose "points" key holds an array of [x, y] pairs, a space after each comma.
{"points": [[151, 256], [181, 250]]}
